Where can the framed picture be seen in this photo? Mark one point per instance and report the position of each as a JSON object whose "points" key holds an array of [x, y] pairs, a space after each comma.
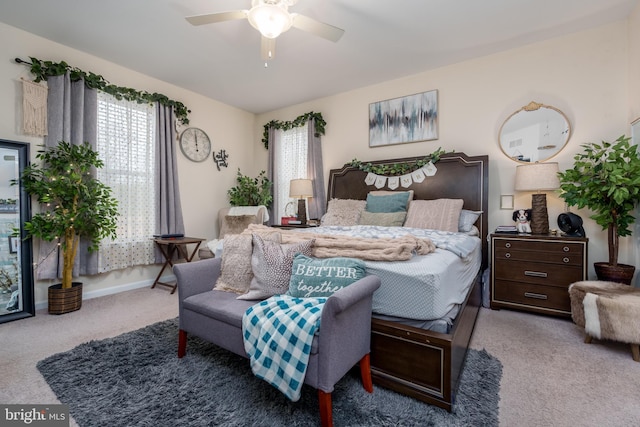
{"points": [[14, 241], [506, 201], [410, 118]]}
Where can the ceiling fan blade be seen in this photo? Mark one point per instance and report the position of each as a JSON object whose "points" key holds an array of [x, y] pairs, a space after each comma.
{"points": [[268, 48], [212, 18], [320, 29]]}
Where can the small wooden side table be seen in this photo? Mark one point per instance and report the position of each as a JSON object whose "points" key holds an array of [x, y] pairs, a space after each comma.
{"points": [[168, 247]]}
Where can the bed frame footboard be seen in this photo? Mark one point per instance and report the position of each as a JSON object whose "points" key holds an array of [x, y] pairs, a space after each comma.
{"points": [[422, 364]]}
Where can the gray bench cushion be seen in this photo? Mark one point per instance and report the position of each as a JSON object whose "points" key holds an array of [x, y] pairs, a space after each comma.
{"points": [[219, 305], [224, 306]]}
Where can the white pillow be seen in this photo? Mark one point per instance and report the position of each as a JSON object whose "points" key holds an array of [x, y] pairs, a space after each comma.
{"points": [[467, 219]]}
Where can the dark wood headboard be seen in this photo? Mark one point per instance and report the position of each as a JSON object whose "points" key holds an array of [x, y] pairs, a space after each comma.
{"points": [[458, 177]]}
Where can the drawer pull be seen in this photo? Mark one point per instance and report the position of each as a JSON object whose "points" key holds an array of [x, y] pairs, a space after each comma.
{"points": [[533, 295], [566, 249], [507, 255], [507, 245], [535, 273], [565, 260]]}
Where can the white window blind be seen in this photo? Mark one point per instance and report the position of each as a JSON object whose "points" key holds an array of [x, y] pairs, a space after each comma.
{"points": [[126, 143], [291, 155]]}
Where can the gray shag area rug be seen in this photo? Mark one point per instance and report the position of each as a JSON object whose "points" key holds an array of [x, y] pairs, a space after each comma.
{"points": [[136, 379]]}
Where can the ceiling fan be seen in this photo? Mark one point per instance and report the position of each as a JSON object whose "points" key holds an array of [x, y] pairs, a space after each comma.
{"points": [[271, 18]]}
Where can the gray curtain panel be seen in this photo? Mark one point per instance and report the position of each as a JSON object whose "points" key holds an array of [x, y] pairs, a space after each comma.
{"points": [[274, 215], [72, 111], [317, 204], [169, 209]]}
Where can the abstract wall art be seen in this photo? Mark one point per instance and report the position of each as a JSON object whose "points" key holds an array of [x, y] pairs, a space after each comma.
{"points": [[410, 118]]}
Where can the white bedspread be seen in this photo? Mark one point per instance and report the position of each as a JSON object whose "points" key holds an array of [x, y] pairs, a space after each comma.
{"points": [[428, 286]]}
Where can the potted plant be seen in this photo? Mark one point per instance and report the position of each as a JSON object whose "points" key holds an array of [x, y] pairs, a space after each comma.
{"points": [[74, 204], [251, 191], [605, 178]]}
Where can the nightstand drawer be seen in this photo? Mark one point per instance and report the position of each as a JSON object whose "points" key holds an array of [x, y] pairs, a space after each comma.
{"points": [[539, 246], [555, 257], [538, 273], [551, 297]]}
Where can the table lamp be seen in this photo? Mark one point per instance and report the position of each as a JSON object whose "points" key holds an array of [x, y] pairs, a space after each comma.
{"points": [[301, 189], [538, 177]]}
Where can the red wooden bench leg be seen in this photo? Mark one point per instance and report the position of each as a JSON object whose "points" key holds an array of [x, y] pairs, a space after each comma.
{"points": [[365, 373], [182, 343], [326, 414]]}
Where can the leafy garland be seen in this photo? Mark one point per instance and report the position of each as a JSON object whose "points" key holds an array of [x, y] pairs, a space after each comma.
{"points": [[44, 69], [299, 121], [398, 168]]}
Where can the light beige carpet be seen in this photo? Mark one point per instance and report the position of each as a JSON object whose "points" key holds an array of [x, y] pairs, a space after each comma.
{"points": [[550, 377]]}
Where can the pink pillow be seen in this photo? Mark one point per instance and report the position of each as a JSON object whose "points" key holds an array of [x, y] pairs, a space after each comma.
{"points": [[439, 214]]}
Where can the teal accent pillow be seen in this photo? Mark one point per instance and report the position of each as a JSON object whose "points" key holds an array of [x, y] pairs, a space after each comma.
{"points": [[314, 277], [388, 203]]}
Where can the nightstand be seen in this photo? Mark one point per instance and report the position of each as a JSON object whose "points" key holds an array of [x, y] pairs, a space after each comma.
{"points": [[533, 272]]}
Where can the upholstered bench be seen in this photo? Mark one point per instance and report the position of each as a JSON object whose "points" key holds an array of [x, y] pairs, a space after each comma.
{"points": [[607, 310]]}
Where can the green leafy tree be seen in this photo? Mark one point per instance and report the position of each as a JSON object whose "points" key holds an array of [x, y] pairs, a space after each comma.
{"points": [[251, 191], [605, 178], [75, 204]]}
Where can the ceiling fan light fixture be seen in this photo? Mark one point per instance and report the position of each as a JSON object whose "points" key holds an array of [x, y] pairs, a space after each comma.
{"points": [[270, 19]]}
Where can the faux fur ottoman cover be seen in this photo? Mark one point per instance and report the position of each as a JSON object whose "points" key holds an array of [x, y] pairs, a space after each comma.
{"points": [[607, 310]]}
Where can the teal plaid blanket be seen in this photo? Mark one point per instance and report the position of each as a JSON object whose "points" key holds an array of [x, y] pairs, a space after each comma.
{"points": [[278, 333]]}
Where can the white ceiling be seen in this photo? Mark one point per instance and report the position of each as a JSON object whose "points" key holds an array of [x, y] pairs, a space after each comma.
{"points": [[383, 40]]}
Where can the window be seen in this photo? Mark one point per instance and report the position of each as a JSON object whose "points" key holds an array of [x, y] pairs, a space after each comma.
{"points": [[126, 143], [291, 158]]}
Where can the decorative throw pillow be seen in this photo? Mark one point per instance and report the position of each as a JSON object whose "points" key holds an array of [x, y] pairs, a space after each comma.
{"points": [[271, 264], [387, 192], [467, 219], [396, 202], [236, 273], [344, 212], [385, 219], [236, 224], [439, 214], [313, 277]]}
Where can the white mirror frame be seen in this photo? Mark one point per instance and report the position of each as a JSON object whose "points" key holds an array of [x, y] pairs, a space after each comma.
{"points": [[534, 133]]}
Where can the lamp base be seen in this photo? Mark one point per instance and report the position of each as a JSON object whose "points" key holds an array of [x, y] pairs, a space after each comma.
{"points": [[539, 214], [302, 211]]}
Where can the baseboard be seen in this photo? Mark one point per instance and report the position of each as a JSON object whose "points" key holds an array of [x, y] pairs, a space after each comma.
{"points": [[43, 305]]}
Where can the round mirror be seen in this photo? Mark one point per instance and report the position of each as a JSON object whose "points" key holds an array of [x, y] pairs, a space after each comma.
{"points": [[534, 133]]}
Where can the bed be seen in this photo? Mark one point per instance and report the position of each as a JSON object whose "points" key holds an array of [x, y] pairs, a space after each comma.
{"points": [[406, 356]]}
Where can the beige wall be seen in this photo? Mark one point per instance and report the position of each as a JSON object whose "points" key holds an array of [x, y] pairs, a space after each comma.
{"points": [[634, 64], [582, 74], [203, 188], [591, 76]]}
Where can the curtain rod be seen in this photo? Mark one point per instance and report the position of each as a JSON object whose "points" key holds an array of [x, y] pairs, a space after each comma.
{"points": [[22, 61]]}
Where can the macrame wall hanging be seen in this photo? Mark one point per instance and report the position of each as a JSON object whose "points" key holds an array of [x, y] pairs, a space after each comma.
{"points": [[34, 108]]}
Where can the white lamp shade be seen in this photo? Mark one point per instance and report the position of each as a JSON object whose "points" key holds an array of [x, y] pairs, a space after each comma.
{"points": [[537, 177], [300, 188], [270, 19]]}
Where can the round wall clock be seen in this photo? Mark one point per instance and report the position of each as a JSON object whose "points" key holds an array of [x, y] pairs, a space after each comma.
{"points": [[195, 144]]}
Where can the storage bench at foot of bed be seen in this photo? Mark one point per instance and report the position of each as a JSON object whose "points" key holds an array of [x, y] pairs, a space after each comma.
{"points": [[423, 364]]}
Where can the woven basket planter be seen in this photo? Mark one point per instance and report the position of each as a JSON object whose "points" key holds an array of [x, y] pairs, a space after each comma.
{"points": [[63, 301], [622, 273]]}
